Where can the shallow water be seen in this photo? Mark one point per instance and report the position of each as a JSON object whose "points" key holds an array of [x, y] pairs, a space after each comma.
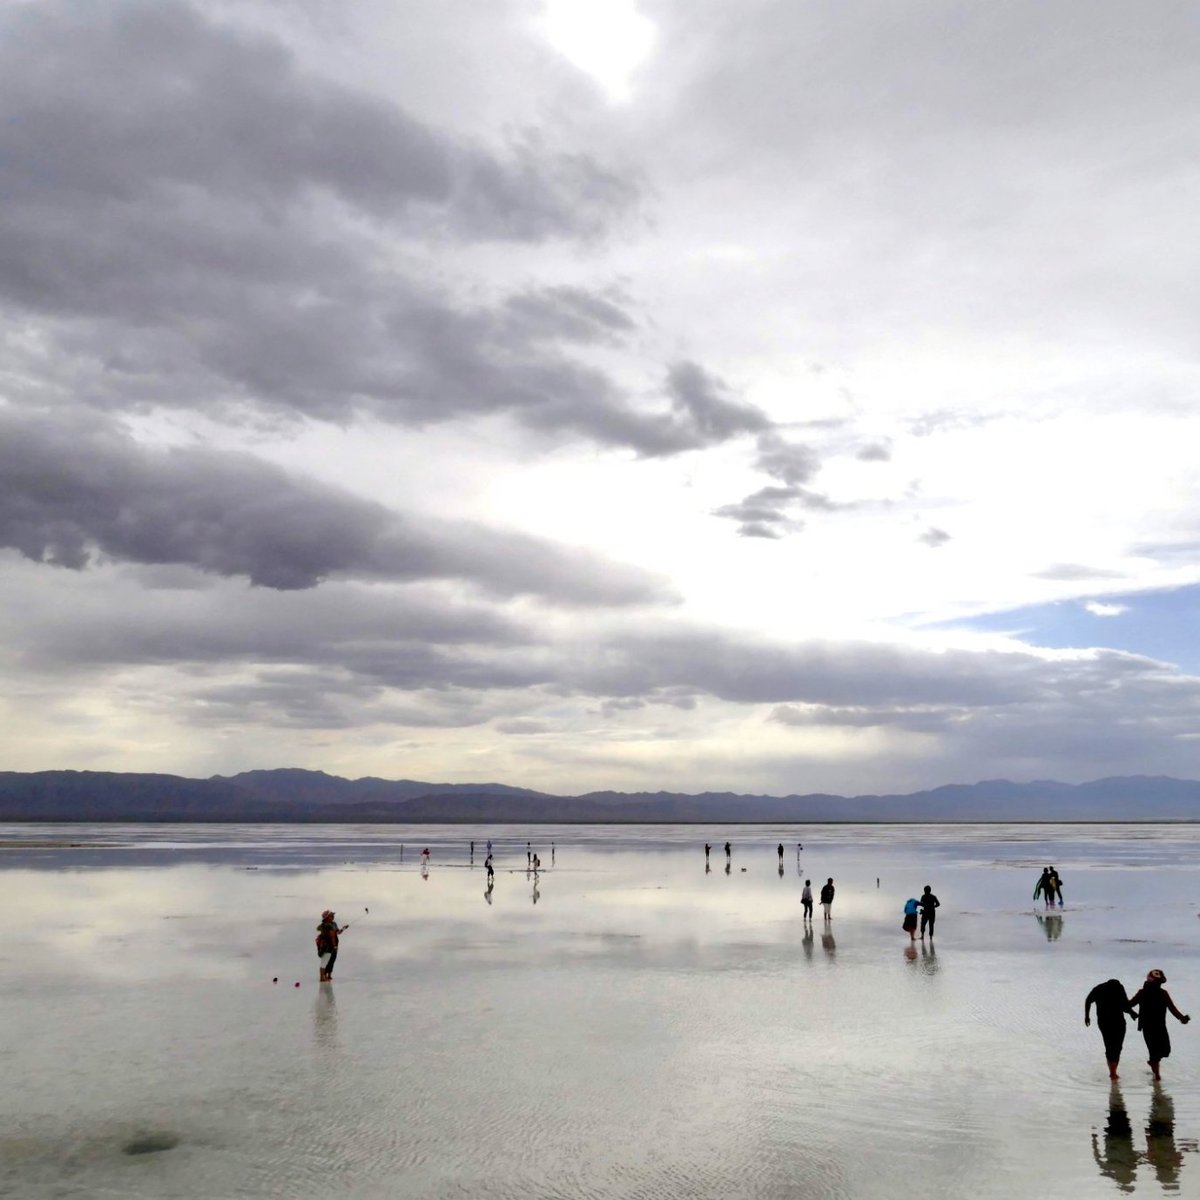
{"points": [[625, 1025]]}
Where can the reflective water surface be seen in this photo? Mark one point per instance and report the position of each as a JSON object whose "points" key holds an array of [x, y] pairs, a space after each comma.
{"points": [[626, 1022]]}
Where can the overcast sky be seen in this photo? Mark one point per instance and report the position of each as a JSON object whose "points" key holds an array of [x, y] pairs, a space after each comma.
{"points": [[686, 394]]}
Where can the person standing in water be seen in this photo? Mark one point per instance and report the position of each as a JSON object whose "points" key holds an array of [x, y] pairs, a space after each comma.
{"points": [[1111, 1006], [707, 852], [327, 944], [781, 854], [528, 856], [1153, 1002], [1055, 885], [929, 905], [827, 898], [491, 871], [728, 850], [806, 899], [1044, 889], [909, 924]]}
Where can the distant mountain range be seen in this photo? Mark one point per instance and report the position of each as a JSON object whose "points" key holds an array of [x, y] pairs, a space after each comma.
{"points": [[292, 795]]}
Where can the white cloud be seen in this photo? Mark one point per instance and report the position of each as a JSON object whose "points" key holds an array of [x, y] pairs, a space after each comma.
{"points": [[1099, 609]]}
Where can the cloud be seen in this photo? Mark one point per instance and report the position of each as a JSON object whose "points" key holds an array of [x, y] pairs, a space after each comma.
{"points": [[72, 492], [194, 219], [1074, 572], [1099, 609], [934, 537]]}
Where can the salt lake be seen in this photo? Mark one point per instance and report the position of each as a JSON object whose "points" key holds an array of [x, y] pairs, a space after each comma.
{"points": [[625, 1023]]}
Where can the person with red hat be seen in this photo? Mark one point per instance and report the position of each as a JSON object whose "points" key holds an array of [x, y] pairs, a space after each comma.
{"points": [[1153, 1002], [327, 943]]}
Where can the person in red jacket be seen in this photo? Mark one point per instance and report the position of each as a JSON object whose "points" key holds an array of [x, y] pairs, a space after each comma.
{"points": [[327, 943]]}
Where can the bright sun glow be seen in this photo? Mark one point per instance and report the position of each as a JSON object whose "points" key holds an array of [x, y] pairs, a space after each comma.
{"points": [[609, 39]]}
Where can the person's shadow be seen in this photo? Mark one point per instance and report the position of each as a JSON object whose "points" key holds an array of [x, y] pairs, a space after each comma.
{"points": [[1116, 1156]]}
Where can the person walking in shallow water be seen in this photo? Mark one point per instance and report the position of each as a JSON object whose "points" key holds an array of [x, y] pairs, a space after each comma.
{"points": [[1153, 1002], [327, 944], [806, 899], [909, 924], [1111, 1006], [929, 904], [827, 898]]}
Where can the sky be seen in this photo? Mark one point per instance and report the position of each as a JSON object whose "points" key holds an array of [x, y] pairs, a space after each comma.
{"points": [[601, 394]]}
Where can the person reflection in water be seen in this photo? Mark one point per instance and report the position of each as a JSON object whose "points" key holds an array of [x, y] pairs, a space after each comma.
{"points": [[487, 892], [728, 867], [1118, 1160], [1162, 1153], [828, 944], [807, 942], [1117, 1157], [781, 868], [1153, 1002], [325, 1019], [1051, 924]]}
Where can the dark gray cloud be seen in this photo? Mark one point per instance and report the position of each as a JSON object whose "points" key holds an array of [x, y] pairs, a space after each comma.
{"points": [[72, 492], [116, 102], [194, 219], [348, 656], [934, 537]]}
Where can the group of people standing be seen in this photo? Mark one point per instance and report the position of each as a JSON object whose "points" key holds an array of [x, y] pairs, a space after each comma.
{"points": [[1049, 887], [928, 905], [827, 892], [1150, 1005]]}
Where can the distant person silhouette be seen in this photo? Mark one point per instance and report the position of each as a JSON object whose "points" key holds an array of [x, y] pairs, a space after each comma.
{"points": [[781, 854], [728, 850]]}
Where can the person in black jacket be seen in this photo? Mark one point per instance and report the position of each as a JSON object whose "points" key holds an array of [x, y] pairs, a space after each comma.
{"points": [[1111, 1006], [929, 905], [1153, 1002], [827, 898]]}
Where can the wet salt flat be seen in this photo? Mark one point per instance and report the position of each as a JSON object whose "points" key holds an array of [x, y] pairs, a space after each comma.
{"points": [[625, 1025]]}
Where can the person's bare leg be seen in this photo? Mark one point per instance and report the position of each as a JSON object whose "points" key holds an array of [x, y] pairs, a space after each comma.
{"points": [[1112, 1071], [1154, 1067]]}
